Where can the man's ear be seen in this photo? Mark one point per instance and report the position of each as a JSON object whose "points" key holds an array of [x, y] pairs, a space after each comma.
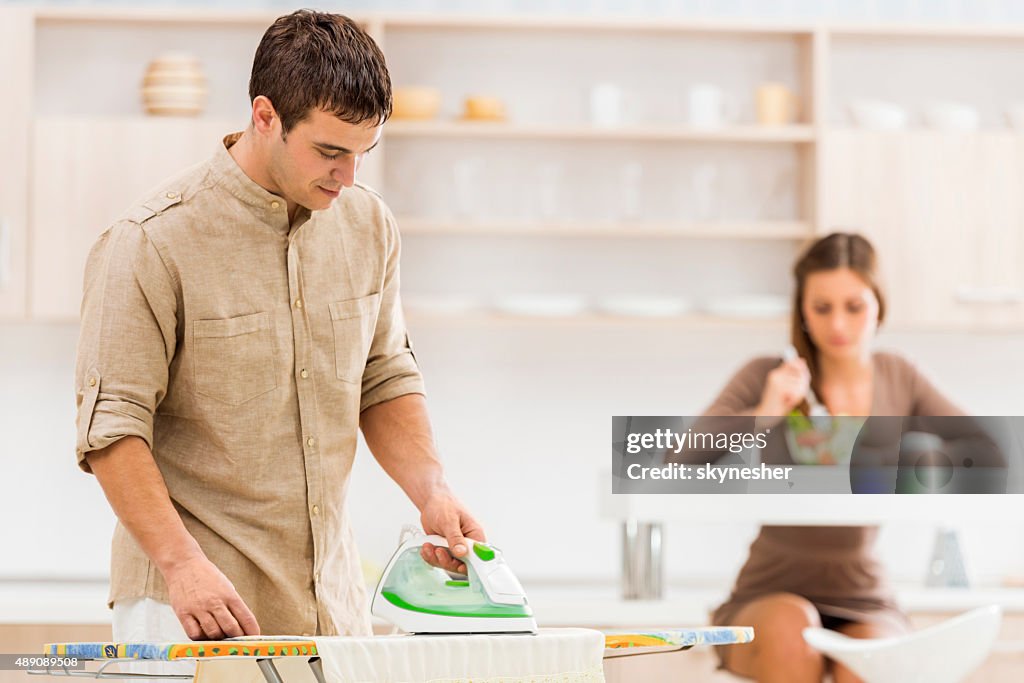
{"points": [[264, 116]]}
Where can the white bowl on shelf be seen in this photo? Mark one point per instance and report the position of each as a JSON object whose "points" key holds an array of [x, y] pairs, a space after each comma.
{"points": [[878, 115], [551, 306], [748, 306], [645, 306], [951, 116]]}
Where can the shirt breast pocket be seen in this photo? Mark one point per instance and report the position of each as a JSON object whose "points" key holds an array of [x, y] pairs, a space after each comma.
{"points": [[353, 321], [234, 358]]}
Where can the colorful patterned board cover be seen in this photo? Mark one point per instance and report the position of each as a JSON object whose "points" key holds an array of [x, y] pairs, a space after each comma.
{"points": [[675, 639], [195, 650]]}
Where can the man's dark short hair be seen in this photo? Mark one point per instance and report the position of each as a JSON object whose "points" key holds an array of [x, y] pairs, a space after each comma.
{"points": [[314, 60]]}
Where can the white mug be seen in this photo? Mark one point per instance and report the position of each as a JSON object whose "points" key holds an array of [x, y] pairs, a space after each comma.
{"points": [[709, 107], [606, 105]]}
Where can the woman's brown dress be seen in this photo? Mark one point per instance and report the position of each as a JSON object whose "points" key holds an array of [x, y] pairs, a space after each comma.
{"points": [[835, 568]]}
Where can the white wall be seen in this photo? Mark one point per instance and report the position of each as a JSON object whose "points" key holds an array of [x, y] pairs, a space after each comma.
{"points": [[522, 412]]}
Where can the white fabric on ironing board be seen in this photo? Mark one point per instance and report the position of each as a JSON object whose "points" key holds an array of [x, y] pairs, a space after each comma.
{"points": [[145, 620], [563, 655]]}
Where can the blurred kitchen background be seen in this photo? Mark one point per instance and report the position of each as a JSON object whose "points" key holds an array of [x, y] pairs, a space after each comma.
{"points": [[600, 202]]}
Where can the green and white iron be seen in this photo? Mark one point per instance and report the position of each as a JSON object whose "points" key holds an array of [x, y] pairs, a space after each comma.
{"points": [[420, 598]]}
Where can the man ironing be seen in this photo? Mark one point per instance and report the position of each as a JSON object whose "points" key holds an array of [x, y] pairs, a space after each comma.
{"points": [[238, 327]]}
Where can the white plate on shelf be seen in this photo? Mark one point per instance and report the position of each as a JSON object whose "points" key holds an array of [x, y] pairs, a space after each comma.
{"points": [[951, 116], [542, 305], [429, 304], [746, 306], [645, 306]]}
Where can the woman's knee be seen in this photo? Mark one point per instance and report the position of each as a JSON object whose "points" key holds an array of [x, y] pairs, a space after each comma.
{"points": [[786, 611], [779, 646]]}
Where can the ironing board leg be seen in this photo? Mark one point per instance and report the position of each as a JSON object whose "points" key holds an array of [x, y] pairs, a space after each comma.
{"points": [[269, 670], [318, 669]]}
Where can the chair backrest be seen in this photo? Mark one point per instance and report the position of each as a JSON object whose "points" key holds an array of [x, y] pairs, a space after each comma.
{"points": [[943, 653]]}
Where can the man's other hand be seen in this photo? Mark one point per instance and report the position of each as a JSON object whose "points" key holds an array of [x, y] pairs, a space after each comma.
{"points": [[206, 603]]}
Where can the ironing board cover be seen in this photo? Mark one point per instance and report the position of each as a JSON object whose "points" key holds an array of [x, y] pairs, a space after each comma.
{"points": [[166, 652], [565, 655], [677, 638]]}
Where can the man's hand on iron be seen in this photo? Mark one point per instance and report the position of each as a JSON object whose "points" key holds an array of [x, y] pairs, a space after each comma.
{"points": [[444, 515], [206, 603]]}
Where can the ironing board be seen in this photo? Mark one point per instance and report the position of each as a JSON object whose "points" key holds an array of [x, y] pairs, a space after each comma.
{"points": [[262, 652], [564, 655]]}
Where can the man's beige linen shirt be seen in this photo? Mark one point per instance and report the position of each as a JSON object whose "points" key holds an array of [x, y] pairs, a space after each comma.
{"points": [[243, 351]]}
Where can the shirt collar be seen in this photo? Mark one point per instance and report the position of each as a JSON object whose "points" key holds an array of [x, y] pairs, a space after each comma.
{"points": [[265, 205]]}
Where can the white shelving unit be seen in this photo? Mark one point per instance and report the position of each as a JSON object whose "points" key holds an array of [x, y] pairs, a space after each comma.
{"points": [[91, 149]]}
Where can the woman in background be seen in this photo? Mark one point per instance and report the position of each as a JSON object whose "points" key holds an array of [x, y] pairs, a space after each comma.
{"points": [[796, 577]]}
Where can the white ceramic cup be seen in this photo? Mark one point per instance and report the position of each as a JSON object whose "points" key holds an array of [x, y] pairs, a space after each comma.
{"points": [[606, 105], [708, 106]]}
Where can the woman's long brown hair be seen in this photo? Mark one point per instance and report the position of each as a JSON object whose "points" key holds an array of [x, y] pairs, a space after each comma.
{"points": [[838, 250]]}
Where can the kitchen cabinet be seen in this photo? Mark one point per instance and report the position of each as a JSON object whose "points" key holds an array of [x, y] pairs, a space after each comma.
{"points": [[943, 208], [946, 212], [86, 172]]}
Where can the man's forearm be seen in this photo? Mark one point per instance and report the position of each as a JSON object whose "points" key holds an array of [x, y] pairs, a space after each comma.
{"points": [[136, 490], [399, 436]]}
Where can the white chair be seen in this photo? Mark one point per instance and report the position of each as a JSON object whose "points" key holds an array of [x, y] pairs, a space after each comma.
{"points": [[943, 653]]}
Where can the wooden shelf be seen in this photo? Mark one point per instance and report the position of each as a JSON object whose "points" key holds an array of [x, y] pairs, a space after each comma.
{"points": [[639, 133], [408, 20], [926, 31], [754, 230], [455, 129], [115, 14], [608, 22], [692, 320]]}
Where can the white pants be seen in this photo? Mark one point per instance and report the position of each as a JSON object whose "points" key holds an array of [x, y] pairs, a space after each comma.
{"points": [[147, 621]]}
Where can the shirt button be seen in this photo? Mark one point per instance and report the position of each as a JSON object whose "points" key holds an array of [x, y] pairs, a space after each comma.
{"points": [[92, 381], [304, 373], [172, 195], [316, 510], [310, 441], [275, 205], [298, 303]]}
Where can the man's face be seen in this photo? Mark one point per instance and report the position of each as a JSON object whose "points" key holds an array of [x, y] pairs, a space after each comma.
{"points": [[319, 157]]}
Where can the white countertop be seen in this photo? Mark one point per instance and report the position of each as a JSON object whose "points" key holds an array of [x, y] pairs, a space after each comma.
{"points": [[600, 605]]}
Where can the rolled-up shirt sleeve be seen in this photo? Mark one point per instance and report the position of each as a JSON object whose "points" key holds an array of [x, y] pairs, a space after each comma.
{"points": [[126, 342], [391, 368]]}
